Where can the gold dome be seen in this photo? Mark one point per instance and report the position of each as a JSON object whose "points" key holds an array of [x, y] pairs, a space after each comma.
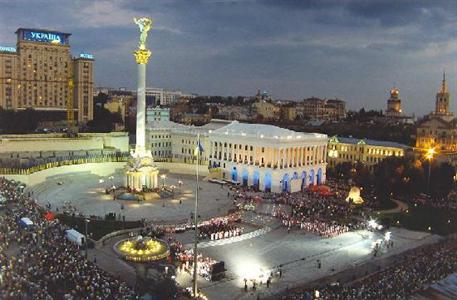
{"points": [[394, 92]]}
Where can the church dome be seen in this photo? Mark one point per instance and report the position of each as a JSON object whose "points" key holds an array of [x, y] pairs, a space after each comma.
{"points": [[394, 92]]}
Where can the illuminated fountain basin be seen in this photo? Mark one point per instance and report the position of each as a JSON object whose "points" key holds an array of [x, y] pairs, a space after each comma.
{"points": [[141, 249]]}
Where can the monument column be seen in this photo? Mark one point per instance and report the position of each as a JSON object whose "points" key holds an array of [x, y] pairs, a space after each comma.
{"points": [[140, 170], [141, 59]]}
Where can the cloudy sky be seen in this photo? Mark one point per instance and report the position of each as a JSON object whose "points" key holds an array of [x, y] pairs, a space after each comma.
{"points": [[353, 50]]}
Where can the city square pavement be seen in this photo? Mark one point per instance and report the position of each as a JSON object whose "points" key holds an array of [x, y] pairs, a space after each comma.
{"points": [[87, 195], [265, 248], [298, 254]]}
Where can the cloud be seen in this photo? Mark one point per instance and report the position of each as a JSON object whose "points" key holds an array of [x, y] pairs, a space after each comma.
{"points": [[352, 49]]}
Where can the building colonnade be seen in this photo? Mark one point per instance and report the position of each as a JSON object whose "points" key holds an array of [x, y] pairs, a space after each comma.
{"points": [[268, 156]]}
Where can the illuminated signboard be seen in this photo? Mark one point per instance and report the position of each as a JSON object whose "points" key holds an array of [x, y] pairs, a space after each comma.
{"points": [[7, 49], [44, 36], [86, 55]]}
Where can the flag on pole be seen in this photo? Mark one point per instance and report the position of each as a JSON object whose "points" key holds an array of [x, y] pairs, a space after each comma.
{"points": [[199, 149]]}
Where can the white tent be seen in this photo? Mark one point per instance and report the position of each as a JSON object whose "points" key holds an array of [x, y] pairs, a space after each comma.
{"points": [[75, 236], [26, 222]]}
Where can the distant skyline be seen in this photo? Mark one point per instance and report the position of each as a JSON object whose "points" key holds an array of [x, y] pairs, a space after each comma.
{"points": [[353, 50]]}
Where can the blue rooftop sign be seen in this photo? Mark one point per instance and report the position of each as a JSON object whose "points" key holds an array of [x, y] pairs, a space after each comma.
{"points": [[86, 56], [7, 49], [43, 36]]}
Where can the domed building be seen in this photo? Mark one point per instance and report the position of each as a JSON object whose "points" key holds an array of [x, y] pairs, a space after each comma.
{"points": [[439, 128], [394, 104]]}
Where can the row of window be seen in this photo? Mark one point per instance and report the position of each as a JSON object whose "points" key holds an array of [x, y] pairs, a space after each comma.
{"points": [[162, 153], [160, 136], [163, 144]]}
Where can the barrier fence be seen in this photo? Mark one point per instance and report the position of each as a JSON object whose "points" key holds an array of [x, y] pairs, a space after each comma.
{"points": [[124, 157]]}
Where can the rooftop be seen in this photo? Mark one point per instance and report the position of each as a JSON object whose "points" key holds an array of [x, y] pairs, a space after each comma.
{"points": [[355, 141], [265, 131]]}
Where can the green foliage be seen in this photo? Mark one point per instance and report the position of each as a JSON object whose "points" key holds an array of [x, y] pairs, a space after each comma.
{"points": [[22, 121], [101, 99], [421, 218], [103, 120], [406, 177], [398, 177]]}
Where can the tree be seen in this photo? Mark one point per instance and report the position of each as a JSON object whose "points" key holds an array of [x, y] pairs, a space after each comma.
{"points": [[25, 121], [442, 180], [101, 99], [103, 120]]}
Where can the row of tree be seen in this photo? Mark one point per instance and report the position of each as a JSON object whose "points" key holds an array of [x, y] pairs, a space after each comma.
{"points": [[21, 121], [29, 120], [402, 177]]}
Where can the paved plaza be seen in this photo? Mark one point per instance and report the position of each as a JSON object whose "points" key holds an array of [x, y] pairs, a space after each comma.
{"points": [[87, 195], [264, 248], [298, 254]]}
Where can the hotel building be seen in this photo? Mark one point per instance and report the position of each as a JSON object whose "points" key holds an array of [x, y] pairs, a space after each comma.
{"points": [[37, 73]]}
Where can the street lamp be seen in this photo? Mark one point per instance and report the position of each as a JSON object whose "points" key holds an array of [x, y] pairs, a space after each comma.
{"points": [[163, 177], [429, 156], [180, 183], [86, 221]]}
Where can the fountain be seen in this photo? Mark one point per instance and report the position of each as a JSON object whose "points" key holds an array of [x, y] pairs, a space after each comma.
{"points": [[141, 249]]}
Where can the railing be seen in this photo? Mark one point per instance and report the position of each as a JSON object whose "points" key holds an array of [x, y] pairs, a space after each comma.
{"points": [[123, 157]]}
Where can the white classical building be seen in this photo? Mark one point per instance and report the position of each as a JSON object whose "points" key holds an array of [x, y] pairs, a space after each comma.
{"points": [[268, 157], [175, 142]]}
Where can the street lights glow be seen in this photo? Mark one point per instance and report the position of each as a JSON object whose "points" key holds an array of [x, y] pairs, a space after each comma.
{"points": [[430, 153], [372, 223], [163, 177], [429, 156], [387, 236], [251, 271]]}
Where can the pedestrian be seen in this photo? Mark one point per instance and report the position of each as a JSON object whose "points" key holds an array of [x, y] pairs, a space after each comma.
{"points": [[268, 282], [280, 272]]}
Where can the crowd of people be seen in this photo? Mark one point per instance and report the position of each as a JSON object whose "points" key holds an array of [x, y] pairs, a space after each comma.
{"points": [[449, 202], [324, 229], [218, 228], [40, 263], [416, 269], [326, 216]]}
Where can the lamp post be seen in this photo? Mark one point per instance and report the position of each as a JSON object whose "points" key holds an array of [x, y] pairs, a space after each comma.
{"points": [[112, 180], [163, 177], [429, 156], [180, 184], [86, 222], [195, 289]]}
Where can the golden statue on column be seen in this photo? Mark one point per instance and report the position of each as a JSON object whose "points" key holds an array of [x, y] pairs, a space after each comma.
{"points": [[142, 54], [141, 173]]}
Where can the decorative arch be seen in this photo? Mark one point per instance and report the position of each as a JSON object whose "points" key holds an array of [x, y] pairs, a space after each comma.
{"points": [[303, 180], [311, 176], [285, 183], [234, 174], [267, 180], [245, 177], [256, 178], [319, 176]]}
